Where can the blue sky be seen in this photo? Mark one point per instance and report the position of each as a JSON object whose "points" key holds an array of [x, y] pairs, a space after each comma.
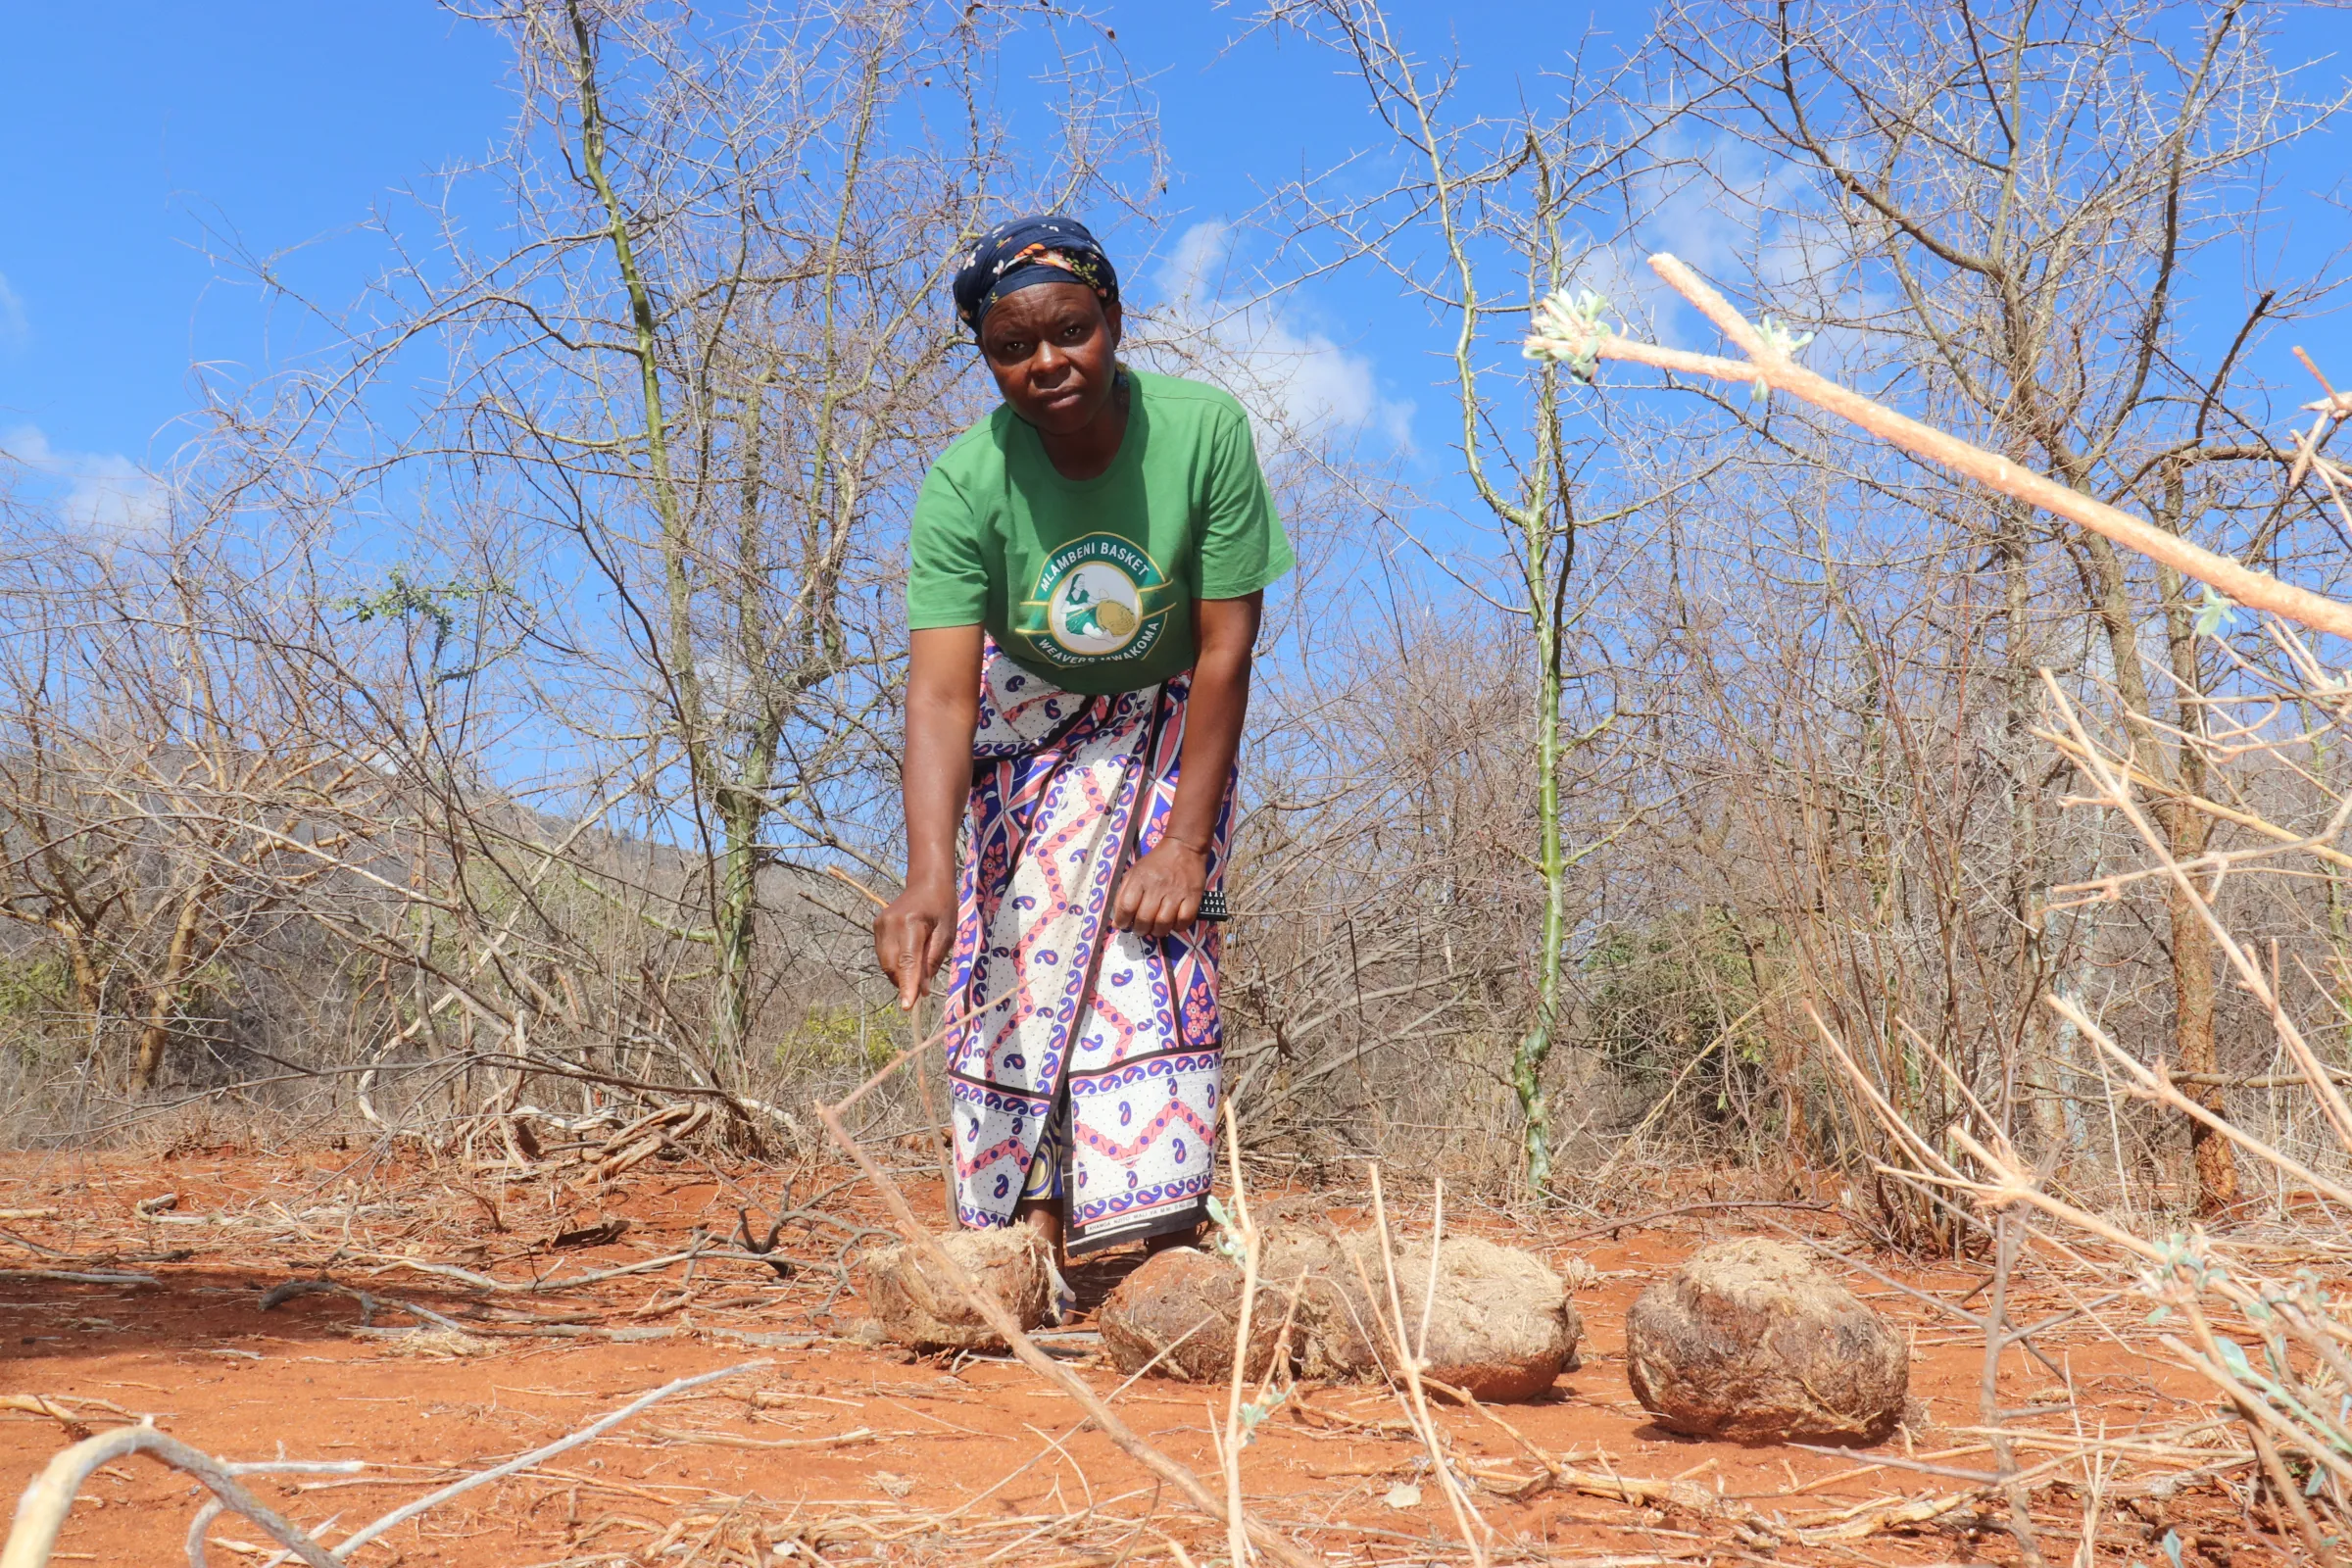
{"points": [[140, 132], [142, 136], [146, 136]]}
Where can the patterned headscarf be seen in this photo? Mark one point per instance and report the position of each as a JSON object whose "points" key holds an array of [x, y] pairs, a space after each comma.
{"points": [[1043, 248]]}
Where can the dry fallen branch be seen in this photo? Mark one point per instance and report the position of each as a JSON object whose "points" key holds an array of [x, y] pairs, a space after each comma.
{"points": [[42, 1511], [62, 1411], [586, 1434], [67, 1276], [1592, 340], [1689, 1497], [1411, 1358]]}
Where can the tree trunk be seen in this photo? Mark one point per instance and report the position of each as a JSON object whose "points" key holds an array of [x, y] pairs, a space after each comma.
{"points": [[2194, 951], [2044, 1079], [743, 814], [89, 987], [165, 994], [1535, 1046], [2191, 943], [2192, 1051]]}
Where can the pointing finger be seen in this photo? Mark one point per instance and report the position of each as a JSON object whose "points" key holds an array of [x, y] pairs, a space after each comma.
{"points": [[910, 973]]}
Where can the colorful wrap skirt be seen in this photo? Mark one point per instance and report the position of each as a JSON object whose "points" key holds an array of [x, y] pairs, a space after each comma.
{"points": [[1083, 1062]]}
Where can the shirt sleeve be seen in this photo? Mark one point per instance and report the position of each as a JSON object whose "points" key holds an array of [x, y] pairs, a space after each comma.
{"points": [[1243, 547], [946, 580]]}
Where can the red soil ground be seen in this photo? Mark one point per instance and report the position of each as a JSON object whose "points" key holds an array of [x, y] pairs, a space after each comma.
{"points": [[843, 1451]]}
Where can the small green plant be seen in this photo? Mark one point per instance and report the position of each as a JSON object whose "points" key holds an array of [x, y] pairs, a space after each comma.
{"points": [[842, 1034], [407, 599], [33, 986], [1784, 343], [2217, 612], [1257, 1410], [1666, 991], [1229, 1238]]}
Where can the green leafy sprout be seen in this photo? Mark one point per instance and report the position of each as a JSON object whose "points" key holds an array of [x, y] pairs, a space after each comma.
{"points": [[1568, 332], [1254, 1413], [2216, 613], [2266, 1370], [1782, 342], [406, 598], [1229, 1238]]}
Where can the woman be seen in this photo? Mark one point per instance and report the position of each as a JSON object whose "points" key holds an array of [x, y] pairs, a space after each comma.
{"points": [[1086, 570]]}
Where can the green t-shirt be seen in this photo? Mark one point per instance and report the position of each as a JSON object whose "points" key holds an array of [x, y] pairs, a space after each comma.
{"points": [[1091, 582]]}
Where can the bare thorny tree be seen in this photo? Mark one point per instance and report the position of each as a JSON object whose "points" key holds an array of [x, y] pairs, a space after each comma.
{"points": [[2013, 221], [733, 295], [1765, 731], [1516, 198], [2030, 200], [157, 799], [680, 418]]}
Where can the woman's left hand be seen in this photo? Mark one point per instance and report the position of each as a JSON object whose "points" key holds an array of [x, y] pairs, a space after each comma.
{"points": [[1162, 892]]}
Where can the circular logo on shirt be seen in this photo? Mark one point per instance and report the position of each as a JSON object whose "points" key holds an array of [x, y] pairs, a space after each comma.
{"points": [[1093, 608], [1093, 595]]}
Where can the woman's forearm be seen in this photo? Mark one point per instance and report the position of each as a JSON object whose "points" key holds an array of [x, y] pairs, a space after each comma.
{"points": [[1162, 892], [933, 790], [943, 708], [1212, 725], [1212, 737]]}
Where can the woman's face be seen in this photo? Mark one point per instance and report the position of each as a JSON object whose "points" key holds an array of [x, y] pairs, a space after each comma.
{"points": [[1052, 349]]}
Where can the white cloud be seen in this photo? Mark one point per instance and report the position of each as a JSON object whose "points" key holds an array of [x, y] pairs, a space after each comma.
{"points": [[1296, 383], [1205, 248], [97, 492], [111, 494], [1752, 226], [13, 324]]}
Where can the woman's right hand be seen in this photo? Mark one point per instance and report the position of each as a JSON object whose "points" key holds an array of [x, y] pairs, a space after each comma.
{"points": [[913, 933], [912, 937]]}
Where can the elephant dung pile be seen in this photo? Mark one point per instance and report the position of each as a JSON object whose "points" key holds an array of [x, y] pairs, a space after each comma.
{"points": [[1499, 1323], [1180, 1315], [1749, 1340], [917, 1305]]}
